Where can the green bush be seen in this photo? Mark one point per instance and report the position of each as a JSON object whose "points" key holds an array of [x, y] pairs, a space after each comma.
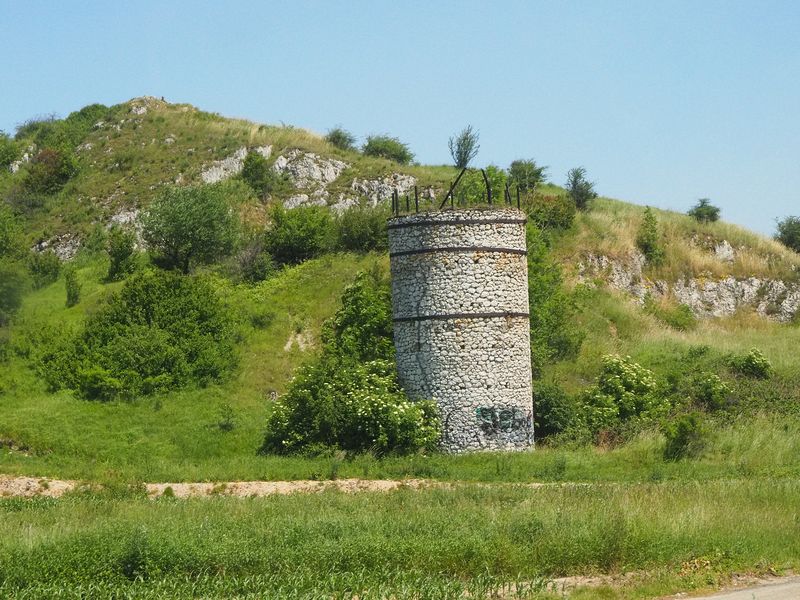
{"points": [[44, 268], [13, 282], [73, 286], [551, 212], [554, 333], [710, 391], [753, 364], [264, 180], [648, 240], [161, 331], [349, 398], [704, 211], [624, 391], [580, 189], [686, 437], [121, 249], [9, 150], [11, 244], [555, 411], [526, 175], [49, 170], [65, 133], [789, 233], [384, 146], [341, 138], [190, 225], [363, 228], [299, 234], [472, 187], [254, 263]]}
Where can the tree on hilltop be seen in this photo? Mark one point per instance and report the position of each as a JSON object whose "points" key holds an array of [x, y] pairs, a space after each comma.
{"points": [[464, 147]]}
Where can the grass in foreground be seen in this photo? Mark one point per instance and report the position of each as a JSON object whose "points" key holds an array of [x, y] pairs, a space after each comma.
{"points": [[430, 543]]}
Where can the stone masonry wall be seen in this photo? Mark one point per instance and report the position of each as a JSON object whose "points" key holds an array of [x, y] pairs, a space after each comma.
{"points": [[461, 326]]}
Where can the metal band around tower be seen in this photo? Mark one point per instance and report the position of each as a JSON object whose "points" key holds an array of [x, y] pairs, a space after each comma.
{"points": [[459, 249], [454, 316]]}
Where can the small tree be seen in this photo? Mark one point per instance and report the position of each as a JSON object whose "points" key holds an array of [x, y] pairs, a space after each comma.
{"points": [[10, 232], [9, 151], [526, 174], [464, 147], [188, 225], [121, 247], [73, 286], [49, 170], [264, 180], [704, 211], [44, 267], [789, 233], [580, 189], [341, 138], [648, 239], [13, 282], [384, 146], [299, 234]]}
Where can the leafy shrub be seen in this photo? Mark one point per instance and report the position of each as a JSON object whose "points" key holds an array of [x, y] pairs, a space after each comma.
{"points": [[554, 334], [363, 228], [44, 268], [161, 331], [49, 170], [753, 364], [704, 211], [10, 233], [121, 248], [299, 234], [254, 262], [551, 212], [648, 240], [341, 138], [555, 411], [73, 286], [710, 391], [472, 187], [349, 398], [580, 189], [384, 146], [464, 147], [789, 233], [65, 133], [187, 225], [526, 174], [264, 180], [9, 150], [624, 391], [13, 282], [686, 437]]}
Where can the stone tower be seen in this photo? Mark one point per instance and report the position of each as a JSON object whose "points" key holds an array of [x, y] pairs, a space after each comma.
{"points": [[461, 323]]}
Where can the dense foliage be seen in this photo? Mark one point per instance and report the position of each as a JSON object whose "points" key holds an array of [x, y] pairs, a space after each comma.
{"points": [[349, 398], [299, 234], [526, 174], [384, 146], [580, 189], [648, 239], [472, 187], [464, 147], [362, 229], [341, 138], [13, 282], [73, 286], [263, 179], [161, 331], [789, 233], [551, 212], [44, 268], [9, 150], [704, 211], [189, 225], [554, 333], [121, 249], [49, 170]]}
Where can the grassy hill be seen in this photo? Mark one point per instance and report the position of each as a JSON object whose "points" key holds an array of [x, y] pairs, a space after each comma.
{"points": [[639, 513]]}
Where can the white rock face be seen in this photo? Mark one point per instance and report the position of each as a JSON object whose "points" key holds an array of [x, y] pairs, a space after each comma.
{"points": [[309, 170], [65, 246], [461, 325], [724, 251], [706, 296], [303, 200], [229, 167], [381, 189]]}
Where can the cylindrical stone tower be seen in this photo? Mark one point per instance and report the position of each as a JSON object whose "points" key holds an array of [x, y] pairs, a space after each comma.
{"points": [[461, 323]]}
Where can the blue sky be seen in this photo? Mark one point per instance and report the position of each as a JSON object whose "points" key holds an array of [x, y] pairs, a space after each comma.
{"points": [[662, 102]]}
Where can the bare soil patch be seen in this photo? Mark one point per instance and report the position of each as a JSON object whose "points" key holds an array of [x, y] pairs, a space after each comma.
{"points": [[29, 487]]}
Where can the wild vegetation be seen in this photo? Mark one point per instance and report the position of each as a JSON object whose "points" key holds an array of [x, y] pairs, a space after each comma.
{"points": [[207, 333]]}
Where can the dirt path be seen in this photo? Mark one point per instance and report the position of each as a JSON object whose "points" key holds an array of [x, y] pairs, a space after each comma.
{"points": [[784, 588], [28, 487]]}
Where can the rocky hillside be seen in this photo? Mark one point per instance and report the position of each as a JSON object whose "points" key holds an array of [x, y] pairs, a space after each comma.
{"points": [[123, 155]]}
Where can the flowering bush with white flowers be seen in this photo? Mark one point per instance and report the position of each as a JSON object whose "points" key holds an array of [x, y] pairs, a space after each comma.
{"points": [[624, 391], [349, 398]]}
